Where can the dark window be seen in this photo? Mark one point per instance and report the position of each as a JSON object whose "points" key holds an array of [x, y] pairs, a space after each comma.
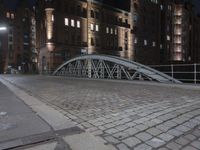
{"points": [[10, 47], [72, 10], [92, 41], [78, 10], [78, 39], [126, 35], [84, 12], [135, 6], [10, 39], [126, 46], [97, 42], [97, 15], [66, 9], [120, 20], [92, 13], [126, 21]]}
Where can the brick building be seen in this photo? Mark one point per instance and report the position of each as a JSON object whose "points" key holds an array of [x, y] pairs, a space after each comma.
{"points": [[17, 46], [70, 28], [179, 32]]}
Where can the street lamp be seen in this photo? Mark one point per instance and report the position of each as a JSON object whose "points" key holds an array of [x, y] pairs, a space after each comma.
{"points": [[3, 28]]}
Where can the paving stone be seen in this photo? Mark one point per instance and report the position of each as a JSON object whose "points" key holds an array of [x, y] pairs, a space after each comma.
{"points": [[175, 132], [155, 142], [110, 125], [141, 127], [170, 124], [143, 136], [182, 128], [131, 131], [173, 146], [143, 147], [196, 132], [196, 144], [163, 128], [163, 148], [121, 135], [97, 132], [182, 141], [111, 131], [111, 139], [154, 131], [121, 127], [189, 148], [130, 124], [150, 123], [190, 137], [165, 137], [189, 124], [131, 141], [122, 147]]}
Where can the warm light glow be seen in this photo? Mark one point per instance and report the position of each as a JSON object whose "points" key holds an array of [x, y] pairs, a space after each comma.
{"points": [[50, 46], [49, 22]]}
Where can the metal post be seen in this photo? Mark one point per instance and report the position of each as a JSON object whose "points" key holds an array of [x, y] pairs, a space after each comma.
{"points": [[89, 68], [195, 73], [172, 70]]}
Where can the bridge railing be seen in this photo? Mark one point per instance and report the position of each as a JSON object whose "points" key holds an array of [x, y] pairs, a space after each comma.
{"points": [[187, 73], [110, 67]]}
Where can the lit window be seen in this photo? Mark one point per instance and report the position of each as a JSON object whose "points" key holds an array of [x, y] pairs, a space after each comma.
{"points": [[97, 27], [111, 31], [8, 15], [161, 7], [107, 30], [154, 44], [135, 40], [145, 42], [92, 27], [12, 16], [72, 23], [115, 31], [78, 24], [52, 17], [168, 37], [169, 7], [66, 21]]}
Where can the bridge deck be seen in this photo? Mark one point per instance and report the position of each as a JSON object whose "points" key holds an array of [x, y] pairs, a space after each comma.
{"points": [[124, 114]]}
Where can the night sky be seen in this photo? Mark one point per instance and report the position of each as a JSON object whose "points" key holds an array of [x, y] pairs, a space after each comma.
{"points": [[12, 4]]}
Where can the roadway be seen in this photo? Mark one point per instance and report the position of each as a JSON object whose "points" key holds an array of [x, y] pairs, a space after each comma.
{"points": [[126, 115]]}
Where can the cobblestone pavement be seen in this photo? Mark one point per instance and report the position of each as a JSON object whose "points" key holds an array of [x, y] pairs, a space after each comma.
{"points": [[128, 115]]}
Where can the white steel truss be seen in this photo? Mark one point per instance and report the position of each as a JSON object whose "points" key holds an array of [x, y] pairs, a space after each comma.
{"points": [[110, 67]]}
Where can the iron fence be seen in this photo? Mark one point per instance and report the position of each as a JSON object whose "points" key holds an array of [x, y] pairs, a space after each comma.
{"points": [[187, 73]]}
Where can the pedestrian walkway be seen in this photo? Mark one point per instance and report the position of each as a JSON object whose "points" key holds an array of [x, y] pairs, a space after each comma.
{"points": [[19, 125], [27, 123]]}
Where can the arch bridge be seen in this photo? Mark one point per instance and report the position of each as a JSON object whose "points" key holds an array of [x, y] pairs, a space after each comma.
{"points": [[110, 67]]}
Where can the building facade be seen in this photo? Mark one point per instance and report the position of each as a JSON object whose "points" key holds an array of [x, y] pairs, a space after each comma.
{"points": [[179, 34], [146, 30], [17, 46], [70, 28]]}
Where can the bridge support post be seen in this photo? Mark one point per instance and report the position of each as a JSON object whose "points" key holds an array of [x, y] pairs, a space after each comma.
{"points": [[89, 68]]}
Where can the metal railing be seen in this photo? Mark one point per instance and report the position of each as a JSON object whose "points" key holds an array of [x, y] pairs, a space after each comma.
{"points": [[110, 67], [188, 73]]}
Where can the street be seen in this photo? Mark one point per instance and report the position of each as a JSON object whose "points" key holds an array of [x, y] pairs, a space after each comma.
{"points": [[128, 115]]}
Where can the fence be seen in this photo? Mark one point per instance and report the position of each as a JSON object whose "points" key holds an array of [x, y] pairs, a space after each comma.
{"points": [[187, 73]]}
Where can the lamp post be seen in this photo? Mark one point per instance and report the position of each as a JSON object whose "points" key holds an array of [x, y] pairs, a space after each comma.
{"points": [[3, 28]]}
